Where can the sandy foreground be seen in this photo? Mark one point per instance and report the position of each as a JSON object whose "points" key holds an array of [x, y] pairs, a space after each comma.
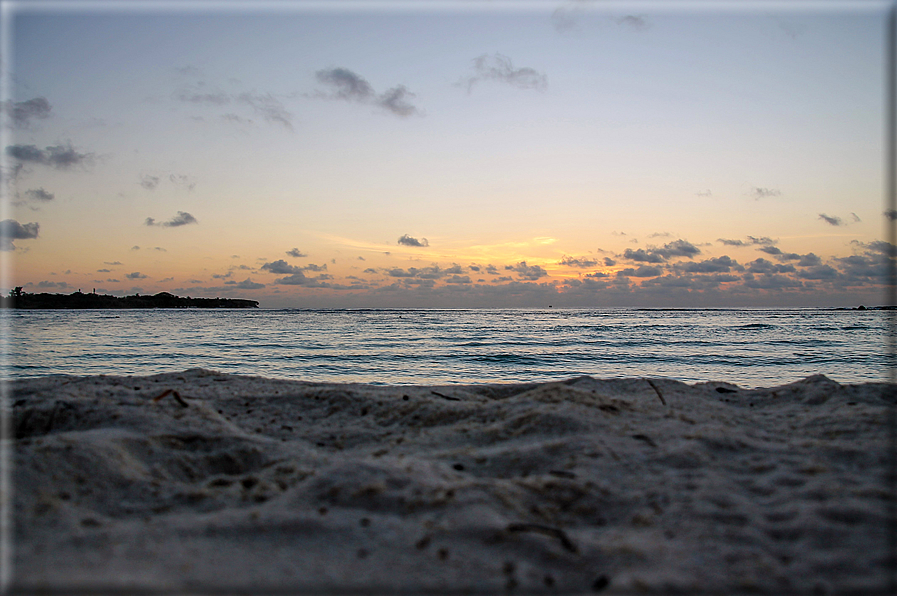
{"points": [[244, 483]]}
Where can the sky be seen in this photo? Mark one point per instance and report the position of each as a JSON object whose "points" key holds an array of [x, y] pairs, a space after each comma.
{"points": [[448, 154]]}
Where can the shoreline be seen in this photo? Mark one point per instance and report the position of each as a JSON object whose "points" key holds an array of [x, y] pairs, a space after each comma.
{"points": [[192, 480]]}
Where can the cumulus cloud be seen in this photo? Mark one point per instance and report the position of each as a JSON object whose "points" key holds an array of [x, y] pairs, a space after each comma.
{"points": [[763, 240], [891, 214], [530, 272], [281, 267], [294, 252], [135, 275], [763, 193], [181, 219], [581, 262], [729, 242], [350, 86], [642, 271], [11, 230], [831, 219], [499, 68], [23, 112], [61, 157], [677, 248], [407, 240], [248, 284], [722, 264], [609, 262]]}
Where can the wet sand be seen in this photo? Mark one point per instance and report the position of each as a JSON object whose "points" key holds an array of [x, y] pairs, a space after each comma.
{"points": [[199, 480]]}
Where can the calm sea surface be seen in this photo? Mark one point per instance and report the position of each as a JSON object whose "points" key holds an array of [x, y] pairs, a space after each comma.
{"points": [[751, 348]]}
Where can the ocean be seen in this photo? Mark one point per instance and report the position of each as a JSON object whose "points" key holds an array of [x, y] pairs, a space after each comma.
{"points": [[748, 347], [421, 346]]}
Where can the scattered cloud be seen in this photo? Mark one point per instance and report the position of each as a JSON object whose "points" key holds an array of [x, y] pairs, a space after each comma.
{"points": [[248, 284], [281, 267], [530, 272], [11, 230], [499, 68], [855, 217], [830, 219], [704, 193], [636, 22], [350, 86], [677, 248], [149, 182], [407, 240], [582, 262], [295, 252], [891, 214], [61, 157], [39, 194], [183, 180], [23, 112], [763, 193], [135, 275], [181, 219]]}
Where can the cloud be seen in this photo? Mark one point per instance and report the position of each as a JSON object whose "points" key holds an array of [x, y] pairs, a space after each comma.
{"points": [[704, 193], [762, 240], [181, 219], [61, 157], [149, 182], [347, 84], [722, 264], [830, 219], [407, 240], [499, 68], [678, 248], [350, 86], [51, 284], [269, 108], [135, 275], [583, 262], [891, 214], [642, 271], [729, 242], [23, 112], [281, 267], [394, 101], [855, 217], [530, 272], [248, 284], [763, 193], [294, 252], [609, 262], [638, 23], [11, 230], [183, 180], [39, 194]]}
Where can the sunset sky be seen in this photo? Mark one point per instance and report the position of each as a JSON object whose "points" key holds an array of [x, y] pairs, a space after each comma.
{"points": [[448, 154]]}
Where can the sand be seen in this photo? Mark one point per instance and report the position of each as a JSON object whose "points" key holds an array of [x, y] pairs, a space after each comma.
{"points": [[617, 486]]}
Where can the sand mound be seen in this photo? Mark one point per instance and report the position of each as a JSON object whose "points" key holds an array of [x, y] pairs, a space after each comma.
{"points": [[231, 482]]}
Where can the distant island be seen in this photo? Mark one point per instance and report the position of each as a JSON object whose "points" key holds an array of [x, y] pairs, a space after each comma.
{"points": [[77, 300]]}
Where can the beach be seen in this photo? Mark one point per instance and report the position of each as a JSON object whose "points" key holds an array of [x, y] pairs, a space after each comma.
{"points": [[199, 480]]}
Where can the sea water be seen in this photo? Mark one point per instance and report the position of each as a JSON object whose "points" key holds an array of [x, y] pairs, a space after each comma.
{"points": [[748, 347]]}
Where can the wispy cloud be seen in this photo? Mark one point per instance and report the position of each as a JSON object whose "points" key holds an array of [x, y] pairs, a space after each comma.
{"points": [[350, 86], [831, 219], [763, 193], [499, 68], [23, 112]]}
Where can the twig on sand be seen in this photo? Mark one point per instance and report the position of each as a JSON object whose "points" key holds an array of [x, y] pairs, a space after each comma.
{"points": [[174, 394], [547, 531], [657, 391], [448, 397]]}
